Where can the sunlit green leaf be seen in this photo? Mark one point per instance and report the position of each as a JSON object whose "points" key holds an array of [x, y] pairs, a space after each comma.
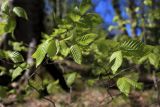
{"points": [[76, 53], [5, 7], [125, 85], [117, 56], [75, 15], [48, 47], [40, 53], [20, 12]]}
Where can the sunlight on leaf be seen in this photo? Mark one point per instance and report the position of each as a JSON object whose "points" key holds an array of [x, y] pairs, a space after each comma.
{"points": [[117, 56], [76, 53], [20, 12]]}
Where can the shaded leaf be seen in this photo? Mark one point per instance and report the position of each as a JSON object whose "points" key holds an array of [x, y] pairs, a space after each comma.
{"points": [[71, 78], [16, 57], [10, 25], [53, 87], [3, 91], [18, 70]]}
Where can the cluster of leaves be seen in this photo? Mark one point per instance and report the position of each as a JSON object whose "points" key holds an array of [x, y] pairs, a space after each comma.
{"points": [[77, 37], [8, 22], [7, 25]]}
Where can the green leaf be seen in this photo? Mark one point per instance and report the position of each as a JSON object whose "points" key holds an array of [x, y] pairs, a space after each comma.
{"points": [[125, 85], [37, 82], [75, 15], [76, 53], [16, 57], [84, 6], [142, 59], [48, 47], [10, 26], [5, 7], [132, 45], [64, 48], [53, 87], [52, 48], [148, 2], [71, 78], [132, 48], [117, 56], [93, 19], [18, 70], [20, 12], [40, 53], [2, 26], [87, 39], [3, 92], [153, 59]]}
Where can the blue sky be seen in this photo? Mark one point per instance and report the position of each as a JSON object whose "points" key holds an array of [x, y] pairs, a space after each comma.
{"points": [[106, 11]]}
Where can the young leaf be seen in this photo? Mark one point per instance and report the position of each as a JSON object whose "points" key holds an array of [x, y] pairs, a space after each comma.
{"points": [[117, 56], [76, 53], [20, 12], [87, 39], [16, 57], [125, 85]]}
